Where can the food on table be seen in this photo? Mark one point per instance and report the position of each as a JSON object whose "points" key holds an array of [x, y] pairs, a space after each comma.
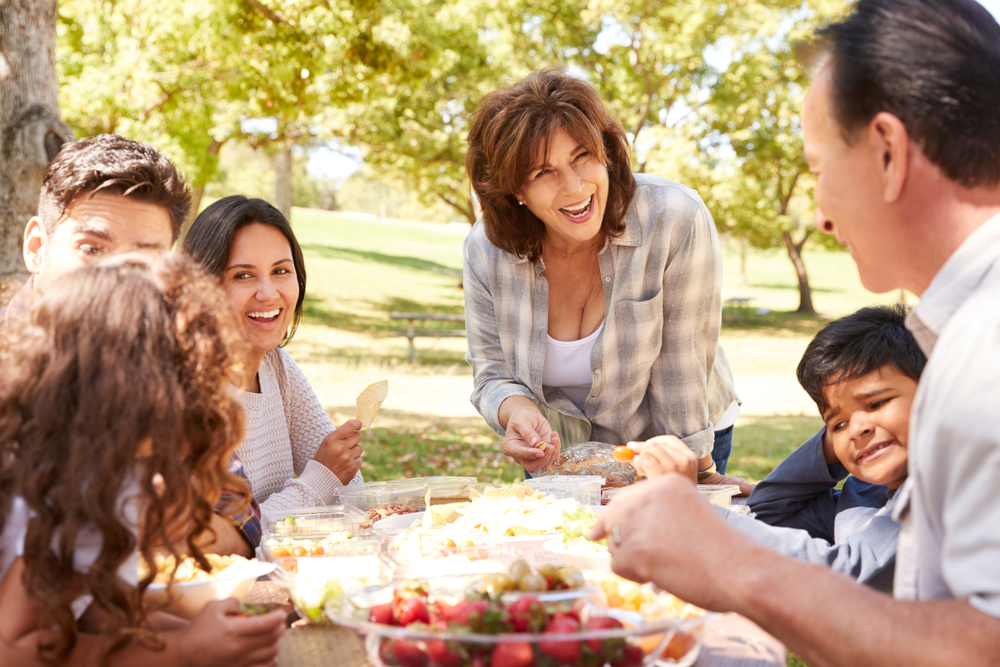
{"points": [[514, 512], [313, 520], [528, 629], [643, 598], [189, 570], [286, 550], [385, 511], [576, 527], [369, 402], [429, 552], [255, 609], [623, 454], [592, 458], [442, 515]]}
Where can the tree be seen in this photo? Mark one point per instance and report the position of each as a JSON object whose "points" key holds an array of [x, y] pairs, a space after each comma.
{"points": [[31, 132], [759, 188], [413, 123]]}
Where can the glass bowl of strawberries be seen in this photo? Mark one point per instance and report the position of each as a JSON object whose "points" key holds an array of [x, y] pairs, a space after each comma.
{"points": [[457, 622]]}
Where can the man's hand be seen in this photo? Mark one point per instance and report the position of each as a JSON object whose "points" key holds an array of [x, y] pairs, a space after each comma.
{"points": [[526, 429], [340, 451], [671, 536]]}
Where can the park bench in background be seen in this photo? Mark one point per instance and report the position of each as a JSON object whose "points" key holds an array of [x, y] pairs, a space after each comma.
{"points": [[412, 332], [740, 304]]}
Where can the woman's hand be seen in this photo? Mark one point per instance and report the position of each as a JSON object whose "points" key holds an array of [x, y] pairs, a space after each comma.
{"points": [[526, 430], [340, 451], [216, 637], [668, 453]]}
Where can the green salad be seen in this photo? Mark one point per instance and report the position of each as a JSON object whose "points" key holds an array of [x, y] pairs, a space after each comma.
{"points": [[576, 526]]}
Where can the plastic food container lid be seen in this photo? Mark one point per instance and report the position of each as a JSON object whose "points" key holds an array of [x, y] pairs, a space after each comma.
{"points": [[586, 489], [719, 494], [372, 497], [324, 519]]}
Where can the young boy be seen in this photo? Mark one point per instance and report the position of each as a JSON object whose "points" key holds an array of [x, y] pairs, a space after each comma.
{"points": [[862, 372]]}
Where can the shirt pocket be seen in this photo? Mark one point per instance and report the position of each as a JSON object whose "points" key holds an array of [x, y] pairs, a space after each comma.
{"points": [[639, 329]]}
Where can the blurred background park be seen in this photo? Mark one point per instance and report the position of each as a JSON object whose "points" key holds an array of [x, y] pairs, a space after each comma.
{"points": [[351, 115]]}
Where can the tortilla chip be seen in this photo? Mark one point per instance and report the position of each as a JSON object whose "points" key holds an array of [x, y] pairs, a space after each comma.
{"points": [[369, 402], [521, 531], [441, 515]]}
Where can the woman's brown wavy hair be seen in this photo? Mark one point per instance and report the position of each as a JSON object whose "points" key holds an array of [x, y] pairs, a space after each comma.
{"points": [[119, 375], [509, 128]]}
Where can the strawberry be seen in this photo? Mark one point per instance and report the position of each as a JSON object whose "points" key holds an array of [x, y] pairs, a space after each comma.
{"points": [[413, 610], [527, 614], [512, 654], [381, 613], [468, 613], [407, 591], [567, 652], [445, 654], [408, 654], [601, 623], [632, 657], [385, 653]]}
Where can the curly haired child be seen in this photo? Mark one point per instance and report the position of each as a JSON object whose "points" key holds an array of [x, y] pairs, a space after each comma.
{"points": [[116, 430]]}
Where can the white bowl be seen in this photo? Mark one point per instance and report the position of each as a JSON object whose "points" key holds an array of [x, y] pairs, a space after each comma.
{"points": [[187, 598], [398, 521], [581, 560]]}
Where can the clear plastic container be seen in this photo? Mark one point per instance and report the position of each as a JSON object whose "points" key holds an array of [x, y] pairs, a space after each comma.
{"points": [[313, 580], [741, 509], [644, 639], [608, 494], [585, 489], [313, 520], [430, 552], [719, 494], [382, 501]]}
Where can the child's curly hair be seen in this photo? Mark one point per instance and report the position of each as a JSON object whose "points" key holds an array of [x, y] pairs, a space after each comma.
{"points": [[118, 377]]}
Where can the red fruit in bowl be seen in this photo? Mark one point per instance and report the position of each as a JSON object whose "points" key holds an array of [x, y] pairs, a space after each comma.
{"points": [[385, 653], [527, 614], [632, 658], [512, 654], [566, 651], [408, 654], [468, 613], [413, 610], [445, 654], [600, 623], [381, 613]]}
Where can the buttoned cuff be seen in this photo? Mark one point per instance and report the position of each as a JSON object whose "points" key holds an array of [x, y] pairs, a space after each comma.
{"points": [[321, 480]]}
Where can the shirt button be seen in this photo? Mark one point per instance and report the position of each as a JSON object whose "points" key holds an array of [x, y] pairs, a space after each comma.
{"points": [[608, 279], [597, 371]]}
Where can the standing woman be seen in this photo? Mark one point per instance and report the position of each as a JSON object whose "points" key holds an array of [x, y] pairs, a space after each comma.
{"points": [[592, 294], [291, 452]]}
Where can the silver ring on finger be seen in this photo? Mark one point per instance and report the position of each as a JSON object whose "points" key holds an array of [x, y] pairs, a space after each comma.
{"points": [[616, 535]]}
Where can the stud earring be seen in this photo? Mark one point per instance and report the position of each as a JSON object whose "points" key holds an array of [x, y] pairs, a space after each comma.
{"points": [[520, 203]]}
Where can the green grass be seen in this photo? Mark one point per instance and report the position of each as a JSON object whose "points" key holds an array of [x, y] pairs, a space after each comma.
{"points": [[360, 270]]}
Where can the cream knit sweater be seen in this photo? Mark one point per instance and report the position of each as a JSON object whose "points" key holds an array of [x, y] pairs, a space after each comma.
{"points": [[285, 425]]}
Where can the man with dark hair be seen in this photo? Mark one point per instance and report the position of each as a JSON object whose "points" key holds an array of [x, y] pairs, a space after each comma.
{"points": [[110, 195], [902, 128], [100, 196]]}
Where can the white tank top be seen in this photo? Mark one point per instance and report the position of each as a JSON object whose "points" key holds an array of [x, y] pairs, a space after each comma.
{"points": [[567, 366]]}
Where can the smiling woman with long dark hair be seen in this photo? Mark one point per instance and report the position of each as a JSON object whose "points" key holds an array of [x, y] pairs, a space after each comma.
{"points": [[292, 453], [592, 294]]}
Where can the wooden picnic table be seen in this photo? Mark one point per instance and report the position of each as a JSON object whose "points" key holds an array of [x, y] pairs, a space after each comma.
{"points": [[412, 332], [732, 641]]}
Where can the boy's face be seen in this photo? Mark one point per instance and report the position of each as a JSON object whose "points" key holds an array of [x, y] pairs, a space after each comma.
{"points": [[868, 422]]}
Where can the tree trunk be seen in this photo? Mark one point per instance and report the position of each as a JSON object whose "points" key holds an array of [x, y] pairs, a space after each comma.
{"points": [[283, 180], [198, 191], [805, 291], [31, 133], [743, 264]]}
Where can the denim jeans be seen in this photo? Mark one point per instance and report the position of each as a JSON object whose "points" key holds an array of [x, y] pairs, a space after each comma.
{"points": [[721, 448]]}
